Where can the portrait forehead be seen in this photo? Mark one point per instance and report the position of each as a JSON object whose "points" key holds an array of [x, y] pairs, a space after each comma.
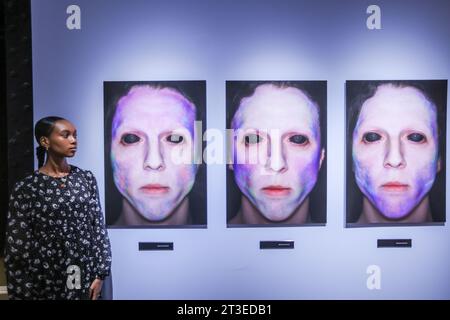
{"points": [[272, 107], [154, 108], [396, 107]]}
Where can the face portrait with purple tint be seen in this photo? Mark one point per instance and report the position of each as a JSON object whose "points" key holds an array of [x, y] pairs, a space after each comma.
{"points": [[152, 155], [277, 155], [396, 155]]}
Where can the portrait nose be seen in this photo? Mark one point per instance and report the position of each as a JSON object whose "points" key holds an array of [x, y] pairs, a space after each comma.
{"points": [[276, 160], [394, 157], [153, 157]]}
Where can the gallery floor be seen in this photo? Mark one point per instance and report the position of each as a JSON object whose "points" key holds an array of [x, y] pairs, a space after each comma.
{"points": [[3, 295]]}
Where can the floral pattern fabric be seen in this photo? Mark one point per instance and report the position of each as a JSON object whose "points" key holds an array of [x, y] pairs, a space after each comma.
{"points": [[56, 240]]}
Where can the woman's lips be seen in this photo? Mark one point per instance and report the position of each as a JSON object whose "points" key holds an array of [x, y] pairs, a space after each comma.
{"points": [[276, 191], [155, 189], [395, 186]]}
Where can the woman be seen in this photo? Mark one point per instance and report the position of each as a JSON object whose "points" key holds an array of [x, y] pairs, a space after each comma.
{"points": [[396, 155], [57, 245]]}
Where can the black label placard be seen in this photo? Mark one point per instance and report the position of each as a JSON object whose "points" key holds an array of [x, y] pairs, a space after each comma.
{"points": [[276, 244], [147, 246], [394, 243]]}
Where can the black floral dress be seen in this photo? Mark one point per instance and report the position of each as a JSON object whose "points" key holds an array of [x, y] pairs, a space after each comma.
{"points": [[56, 240]]}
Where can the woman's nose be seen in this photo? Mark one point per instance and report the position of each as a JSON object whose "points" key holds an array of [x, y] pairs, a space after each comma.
{"points": [[394, 157]]}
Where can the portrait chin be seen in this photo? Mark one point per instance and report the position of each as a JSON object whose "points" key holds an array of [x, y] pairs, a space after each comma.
{"points": [[158, 203], [394, 208], [276, 212], [156, 210], [276, 204]]}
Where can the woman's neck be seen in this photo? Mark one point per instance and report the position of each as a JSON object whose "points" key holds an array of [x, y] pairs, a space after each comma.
{"points": [[55, 166]]}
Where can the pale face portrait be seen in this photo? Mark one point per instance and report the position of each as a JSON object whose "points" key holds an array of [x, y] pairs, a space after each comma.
{"points": [[277, 149], [152, 150], [395, 150]]}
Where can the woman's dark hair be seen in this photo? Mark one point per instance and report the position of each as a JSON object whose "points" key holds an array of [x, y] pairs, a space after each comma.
{"points": [[357, 92], [316, 91], [44, 128], [194, 92]]}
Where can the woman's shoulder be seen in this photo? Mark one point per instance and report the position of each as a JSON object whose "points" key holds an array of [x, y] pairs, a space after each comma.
{"points": [[26, 183], [86, 173]]}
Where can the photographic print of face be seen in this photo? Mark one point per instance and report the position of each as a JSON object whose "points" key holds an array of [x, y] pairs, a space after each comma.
{"points": [[395, 154], [277, 153], [152, 155]]}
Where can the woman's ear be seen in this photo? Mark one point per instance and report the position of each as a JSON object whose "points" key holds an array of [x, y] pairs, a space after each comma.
{"points": [[439, 165], [44, 142]]}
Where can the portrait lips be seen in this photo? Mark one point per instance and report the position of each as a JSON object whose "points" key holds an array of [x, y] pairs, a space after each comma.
{"points": [[276, 191], [395, 186], [154, 189]]}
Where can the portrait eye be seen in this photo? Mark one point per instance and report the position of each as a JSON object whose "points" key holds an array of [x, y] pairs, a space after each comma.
{"points": [[371, 137], [175, 138], [299, 139], [130, 138], [416, 137], [252, 138]]}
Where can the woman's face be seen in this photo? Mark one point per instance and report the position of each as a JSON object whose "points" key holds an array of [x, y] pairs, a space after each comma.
{"points": [[395, 149], [152, 150], [277, 149], [62, 140]]}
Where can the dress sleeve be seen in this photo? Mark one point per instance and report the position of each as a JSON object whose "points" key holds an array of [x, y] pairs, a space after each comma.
{"points": [[101, 245], [19, 242]]}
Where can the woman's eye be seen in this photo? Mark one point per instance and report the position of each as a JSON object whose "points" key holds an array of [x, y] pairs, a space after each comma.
{"points": [[130, 138], [416, 137], [252, 139], [174, 138], [371, 137], [299, 139]]}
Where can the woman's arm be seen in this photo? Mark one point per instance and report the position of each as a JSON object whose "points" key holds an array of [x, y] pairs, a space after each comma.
{"points": [[102, 247]]}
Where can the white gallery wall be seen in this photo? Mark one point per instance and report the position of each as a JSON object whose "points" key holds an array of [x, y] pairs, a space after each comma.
{"points": [[224, 40]]}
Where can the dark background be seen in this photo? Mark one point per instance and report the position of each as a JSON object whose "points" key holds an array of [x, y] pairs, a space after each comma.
{"points": [[16, 113]]}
